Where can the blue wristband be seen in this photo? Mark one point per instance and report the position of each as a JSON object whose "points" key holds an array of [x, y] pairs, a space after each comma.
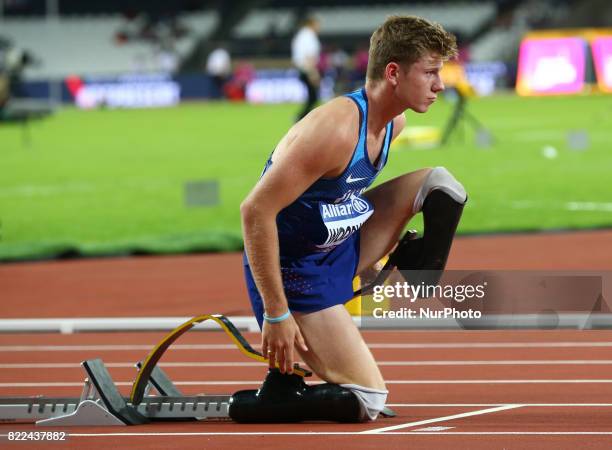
{"points": [[276, 319]]}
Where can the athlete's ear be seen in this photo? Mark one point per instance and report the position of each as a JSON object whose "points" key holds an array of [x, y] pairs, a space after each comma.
{"points": [[392, 71]]}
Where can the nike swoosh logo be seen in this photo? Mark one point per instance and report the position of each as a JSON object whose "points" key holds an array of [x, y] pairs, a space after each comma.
{"points": [[350, 179]]}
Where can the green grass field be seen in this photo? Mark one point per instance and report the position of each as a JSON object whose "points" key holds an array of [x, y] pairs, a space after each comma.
{"points": [[112, 181]]}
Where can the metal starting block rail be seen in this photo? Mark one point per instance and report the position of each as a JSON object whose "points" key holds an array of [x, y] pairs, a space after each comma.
{"points": [[101, 404]]}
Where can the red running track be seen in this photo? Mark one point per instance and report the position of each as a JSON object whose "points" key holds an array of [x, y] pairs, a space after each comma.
{"points": [[485, 389], [525, 389]]}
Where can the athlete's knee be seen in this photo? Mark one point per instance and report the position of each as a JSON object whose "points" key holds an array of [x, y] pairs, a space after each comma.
{"points": [[439, 178], [371, 401]]}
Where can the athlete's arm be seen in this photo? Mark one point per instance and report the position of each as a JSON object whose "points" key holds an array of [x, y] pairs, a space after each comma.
{"points": [[320, 145]]}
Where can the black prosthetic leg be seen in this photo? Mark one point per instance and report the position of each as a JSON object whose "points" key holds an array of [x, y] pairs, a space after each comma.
{"points": [[423, 260], [285, 398]]}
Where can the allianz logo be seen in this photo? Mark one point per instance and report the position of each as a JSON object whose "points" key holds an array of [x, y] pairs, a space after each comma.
{"points": [[354, 205], [360, 205]]}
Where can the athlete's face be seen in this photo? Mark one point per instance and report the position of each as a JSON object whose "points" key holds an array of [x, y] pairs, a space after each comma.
{"points": [[418, 85]]}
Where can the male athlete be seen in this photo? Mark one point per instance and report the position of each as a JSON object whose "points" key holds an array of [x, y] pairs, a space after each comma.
{"points": [[310, 225]]}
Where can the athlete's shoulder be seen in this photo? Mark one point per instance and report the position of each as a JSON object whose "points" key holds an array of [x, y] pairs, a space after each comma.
{"points": [[324, 139], [323, 135], [336, 122]]}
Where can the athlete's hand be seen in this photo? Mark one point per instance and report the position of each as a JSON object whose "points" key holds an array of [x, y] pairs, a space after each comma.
{"points": [[278, 341]]}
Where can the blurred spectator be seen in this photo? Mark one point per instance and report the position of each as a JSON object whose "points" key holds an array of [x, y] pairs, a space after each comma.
{"points": [[305, 53], [339, 61], [15, 62], [360, 66], [156, 29], [324, 63], [270, 41], [464, 55], [219, 67], [161, 31], [4, 90], [235, 89], [333, 63], [167, 61]]}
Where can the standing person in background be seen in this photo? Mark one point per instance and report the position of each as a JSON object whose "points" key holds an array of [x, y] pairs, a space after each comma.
{"points": [[219, 67], [305, 53]]}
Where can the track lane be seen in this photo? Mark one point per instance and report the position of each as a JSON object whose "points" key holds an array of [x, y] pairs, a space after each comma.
{"points": [[436, 348]]}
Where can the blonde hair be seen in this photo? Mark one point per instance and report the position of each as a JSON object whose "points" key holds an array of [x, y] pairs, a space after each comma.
{"points": [[405, 39]]}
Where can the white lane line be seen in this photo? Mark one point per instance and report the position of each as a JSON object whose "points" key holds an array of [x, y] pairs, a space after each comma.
{"points": [[434, 429], [493, 345], [481, 405], [589, 206], [130, 365], [496, 381], [442, 419], [570, 206], [504, 362], [340, 433], [502, 433], [258, 382], [403, 345], [380, 363], [523, 362], [109, 348]]}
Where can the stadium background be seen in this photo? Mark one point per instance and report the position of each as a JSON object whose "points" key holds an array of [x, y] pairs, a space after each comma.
{"points": [[114, 139]]}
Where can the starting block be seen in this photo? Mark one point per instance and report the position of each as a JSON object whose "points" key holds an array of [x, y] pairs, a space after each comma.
{"points": [[101, 403]]}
